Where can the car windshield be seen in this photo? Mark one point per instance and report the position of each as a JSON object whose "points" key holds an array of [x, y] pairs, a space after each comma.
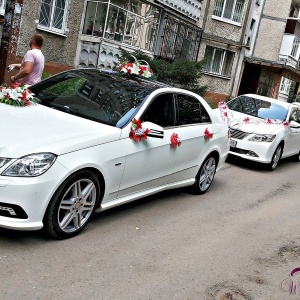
{"points": [[258, 108], [102, 97]]}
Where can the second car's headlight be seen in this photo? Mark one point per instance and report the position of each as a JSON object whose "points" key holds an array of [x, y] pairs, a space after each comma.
{"points": [[263, 138], [31, 165]]}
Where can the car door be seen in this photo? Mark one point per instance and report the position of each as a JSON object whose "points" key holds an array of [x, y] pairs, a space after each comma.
{"points": [[292, 140], [150, 162], [191, 122]]}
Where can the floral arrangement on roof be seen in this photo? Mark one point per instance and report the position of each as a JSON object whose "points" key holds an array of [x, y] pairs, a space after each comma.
{"points": [[228, 118], [138, 67], [137, 132], [17, 95]]}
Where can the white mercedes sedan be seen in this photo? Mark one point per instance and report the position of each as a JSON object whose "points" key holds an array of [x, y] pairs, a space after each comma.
{"points": [[94, 140], [262, 129]]}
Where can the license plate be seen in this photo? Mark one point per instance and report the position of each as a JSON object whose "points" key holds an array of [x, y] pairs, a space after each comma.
{"points": [[232, 143]]}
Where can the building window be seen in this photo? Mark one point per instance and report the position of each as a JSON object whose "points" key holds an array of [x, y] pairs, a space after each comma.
{"points": [[231, 10], [130, 22], [295, 47], [250, 33], [53, 15], [266, 86], [2, 7], [285, 85], [218, 61]]}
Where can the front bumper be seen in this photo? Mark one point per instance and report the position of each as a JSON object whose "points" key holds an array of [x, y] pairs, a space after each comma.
{"points": [[23, 201], [256, 151]]}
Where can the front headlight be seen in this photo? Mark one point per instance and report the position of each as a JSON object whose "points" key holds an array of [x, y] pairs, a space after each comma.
{"points": [[3, 161], [31, 165], [263, 138]]}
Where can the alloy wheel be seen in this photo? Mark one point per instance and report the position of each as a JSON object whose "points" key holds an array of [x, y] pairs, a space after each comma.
{"points": [[207, 174], [77, 205]]}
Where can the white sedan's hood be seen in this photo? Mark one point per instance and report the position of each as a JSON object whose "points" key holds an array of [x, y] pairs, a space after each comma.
{"points": [[253, 125], [34, 129]]}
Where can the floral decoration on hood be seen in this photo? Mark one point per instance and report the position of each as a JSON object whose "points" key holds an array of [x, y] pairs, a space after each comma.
{"points": [[17, 95]]}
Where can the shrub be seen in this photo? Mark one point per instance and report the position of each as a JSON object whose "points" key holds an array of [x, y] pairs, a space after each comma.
{"points": [[180, 73]]}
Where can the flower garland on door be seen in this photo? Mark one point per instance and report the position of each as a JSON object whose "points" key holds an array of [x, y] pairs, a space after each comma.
{"points": [[208, 134], [17, 95], [175, 140], [137, 132], [138, 67]]}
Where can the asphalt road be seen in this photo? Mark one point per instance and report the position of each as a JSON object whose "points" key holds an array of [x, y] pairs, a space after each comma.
{"points": [[240, 240]]}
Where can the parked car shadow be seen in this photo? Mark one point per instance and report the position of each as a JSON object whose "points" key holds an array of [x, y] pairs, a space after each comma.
{"points": [[248, 164]]}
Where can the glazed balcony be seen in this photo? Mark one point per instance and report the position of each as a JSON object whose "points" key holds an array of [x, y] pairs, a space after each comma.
{"points": [[290, 49]]}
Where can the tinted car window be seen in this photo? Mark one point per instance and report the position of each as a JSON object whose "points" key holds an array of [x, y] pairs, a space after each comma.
{"points": [[161, 111], [97, 96], [190, 111], [258, 108]]}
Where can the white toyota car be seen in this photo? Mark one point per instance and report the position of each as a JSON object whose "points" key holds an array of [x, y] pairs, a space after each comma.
{"points": [[262, 129], [96, 140]]}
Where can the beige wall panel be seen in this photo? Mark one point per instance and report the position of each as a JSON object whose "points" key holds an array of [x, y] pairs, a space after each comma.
{"points": [[277, 8], [217, 84], [269, 39], [59, 49], [223, 29]]}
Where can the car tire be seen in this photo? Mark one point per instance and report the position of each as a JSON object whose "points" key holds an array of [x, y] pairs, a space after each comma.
{"points": [[275, 158], [205, 176], [72, 206]]}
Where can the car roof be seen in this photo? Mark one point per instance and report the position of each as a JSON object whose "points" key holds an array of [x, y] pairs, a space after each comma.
{"points": [[272, 100], [96, 74]]}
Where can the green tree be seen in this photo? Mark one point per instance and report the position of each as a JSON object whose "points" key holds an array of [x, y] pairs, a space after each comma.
{"points": [[180, 73]]}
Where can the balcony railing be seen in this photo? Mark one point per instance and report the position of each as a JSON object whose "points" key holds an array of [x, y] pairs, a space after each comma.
{"points": [[290, 50]]}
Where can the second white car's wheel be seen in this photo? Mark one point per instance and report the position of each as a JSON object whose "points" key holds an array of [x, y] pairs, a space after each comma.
{"points": [[275, 158], [205, 176], [72, 205]]}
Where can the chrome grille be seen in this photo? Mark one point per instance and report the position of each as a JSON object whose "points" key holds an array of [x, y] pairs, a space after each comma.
{"points": [[238, 134]]}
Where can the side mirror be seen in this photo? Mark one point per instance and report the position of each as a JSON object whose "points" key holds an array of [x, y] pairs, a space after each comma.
{"points": [[156, 131], [294, 124]]}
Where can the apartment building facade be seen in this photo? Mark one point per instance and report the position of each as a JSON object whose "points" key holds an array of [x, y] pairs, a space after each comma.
{"points": [[90, 33], [250, 47]]}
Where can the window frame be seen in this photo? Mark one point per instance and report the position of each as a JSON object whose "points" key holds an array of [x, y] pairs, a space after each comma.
{"points": [[50, 27], [2, 7], [285, 85], [233, 12], [152, 107], [201, 109], [222, 64]]}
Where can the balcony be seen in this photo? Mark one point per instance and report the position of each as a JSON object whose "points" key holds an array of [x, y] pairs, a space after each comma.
{"points": [[290, 50]]}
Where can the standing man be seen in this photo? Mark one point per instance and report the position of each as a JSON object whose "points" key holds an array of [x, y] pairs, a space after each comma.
{"points": [[32, 65]]}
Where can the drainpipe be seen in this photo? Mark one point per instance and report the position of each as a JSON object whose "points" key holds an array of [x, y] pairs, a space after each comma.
{"points": [[10, 36]]}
